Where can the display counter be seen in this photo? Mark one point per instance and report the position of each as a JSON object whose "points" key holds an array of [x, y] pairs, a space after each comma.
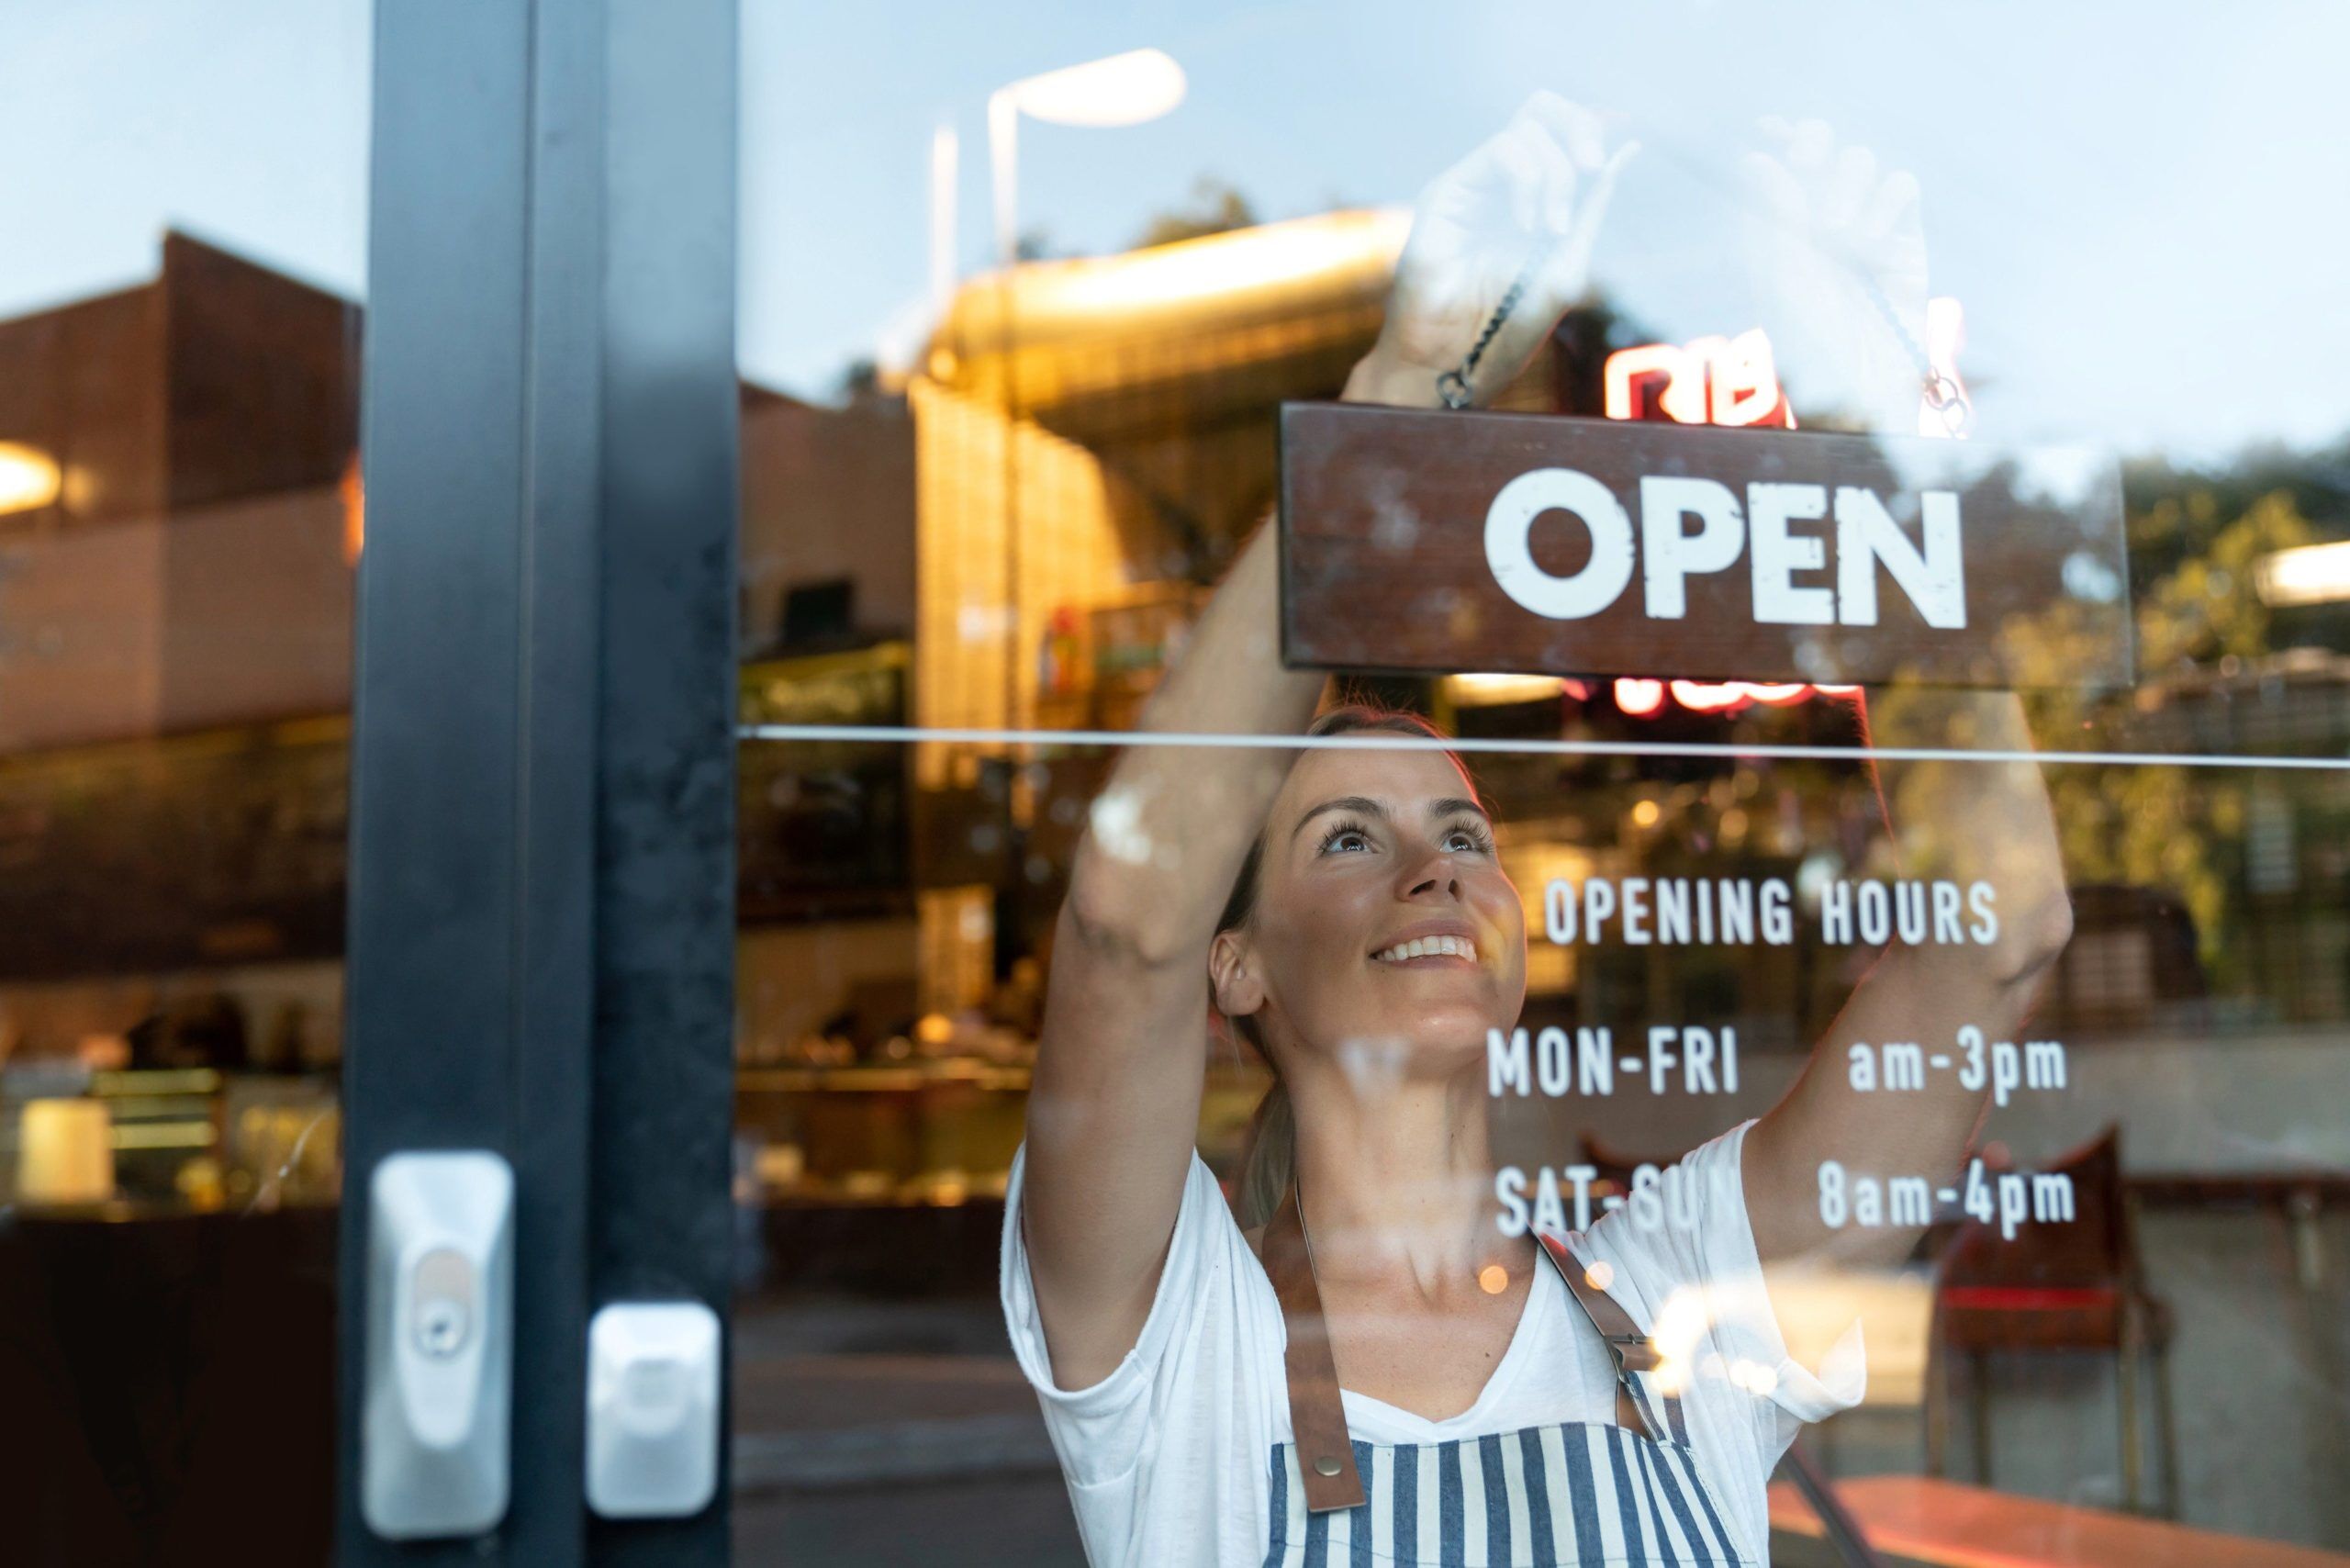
{"points": [[148, 1142], [924, 1133]]}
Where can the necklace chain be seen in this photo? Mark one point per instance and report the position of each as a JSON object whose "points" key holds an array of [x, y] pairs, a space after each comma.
{"points": [[1453, 385], [1942, 393]]}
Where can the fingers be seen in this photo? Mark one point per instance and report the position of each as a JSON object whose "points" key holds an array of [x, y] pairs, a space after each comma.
{"points": [[1479, 179], [1806, 142], [1571, 142], [1776, 187], [1515, 155], [1565, 274], [1810, 147], [1543, 181], [1539, 169], [1576, 129], [1604, 187], [1894, 206], [1557, 196], [1843, 188], [1516, 176], [1850, 181]]}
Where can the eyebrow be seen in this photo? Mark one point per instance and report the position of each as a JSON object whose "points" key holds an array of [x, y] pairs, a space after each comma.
{"points": [[1444, 806]]}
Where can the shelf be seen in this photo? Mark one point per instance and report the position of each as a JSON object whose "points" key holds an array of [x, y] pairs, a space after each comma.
{"points": [[912, 1079]]}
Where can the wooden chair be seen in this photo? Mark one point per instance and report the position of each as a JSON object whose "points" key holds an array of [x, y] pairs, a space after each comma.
{"points": [[2055, 1288]]}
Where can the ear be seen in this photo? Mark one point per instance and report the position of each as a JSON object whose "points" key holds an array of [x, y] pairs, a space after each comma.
{"points": [[1232, 976]]}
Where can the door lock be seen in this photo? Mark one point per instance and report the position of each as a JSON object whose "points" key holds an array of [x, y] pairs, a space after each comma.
{"points": [[440, 1345], [653, 1409], [444, 1312]]}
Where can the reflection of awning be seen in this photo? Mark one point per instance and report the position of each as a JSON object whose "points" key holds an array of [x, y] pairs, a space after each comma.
{"points": [[1240, 318]]}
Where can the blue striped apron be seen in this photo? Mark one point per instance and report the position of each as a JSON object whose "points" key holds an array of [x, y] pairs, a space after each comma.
{"points": [[1622, 1494], [1579, 1493]]}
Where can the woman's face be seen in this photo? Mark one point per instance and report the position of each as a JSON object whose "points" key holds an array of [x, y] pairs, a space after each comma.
{"points": [[1384, 930]]}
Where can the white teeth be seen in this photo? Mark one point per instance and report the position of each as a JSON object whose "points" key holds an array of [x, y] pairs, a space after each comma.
{"points": [[1460, 946]]}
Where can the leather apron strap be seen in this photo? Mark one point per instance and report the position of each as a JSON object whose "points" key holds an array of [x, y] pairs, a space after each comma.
{"points": [[1318, 1417], [1630, 1349]]}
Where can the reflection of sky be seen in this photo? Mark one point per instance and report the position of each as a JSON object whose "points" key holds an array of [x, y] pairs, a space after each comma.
{"points": [[2140, 206]]}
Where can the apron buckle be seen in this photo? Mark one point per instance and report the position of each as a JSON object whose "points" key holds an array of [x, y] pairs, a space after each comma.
{"points": [[1635, 1352]]}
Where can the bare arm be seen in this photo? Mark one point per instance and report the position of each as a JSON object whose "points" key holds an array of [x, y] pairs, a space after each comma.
{"points": [[1968, 821], [1116, 1097], [1832, 221], [1115, 1106]]}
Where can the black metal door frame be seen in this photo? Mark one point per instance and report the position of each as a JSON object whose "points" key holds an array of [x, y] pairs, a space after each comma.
{"points": [[542, 842]]}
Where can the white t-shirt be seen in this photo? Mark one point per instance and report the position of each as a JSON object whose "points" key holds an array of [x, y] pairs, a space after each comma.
{"points": [[1165, 1457]]}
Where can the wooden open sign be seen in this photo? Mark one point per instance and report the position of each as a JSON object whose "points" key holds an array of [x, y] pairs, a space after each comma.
{"points": [[1435, 541]]}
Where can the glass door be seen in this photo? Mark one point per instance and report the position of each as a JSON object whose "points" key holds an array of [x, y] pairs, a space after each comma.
{"points": [[532, 1330], [367, 516]]}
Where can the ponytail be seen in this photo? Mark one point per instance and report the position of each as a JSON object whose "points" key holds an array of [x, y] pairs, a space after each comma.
{"points": [[1267, 1159]]}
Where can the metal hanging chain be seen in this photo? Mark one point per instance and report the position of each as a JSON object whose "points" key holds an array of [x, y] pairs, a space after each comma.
{"points": [[1942, 393], [1453, 385]]}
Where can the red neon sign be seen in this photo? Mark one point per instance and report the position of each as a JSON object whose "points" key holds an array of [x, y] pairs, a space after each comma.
{"points": [[1724, 381], [1707, 381], [1646, 699]]}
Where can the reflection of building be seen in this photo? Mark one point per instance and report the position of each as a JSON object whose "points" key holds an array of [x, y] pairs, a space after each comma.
{"points": [[1094, 438], [175, 643], [1115, 414], [191, 572]]}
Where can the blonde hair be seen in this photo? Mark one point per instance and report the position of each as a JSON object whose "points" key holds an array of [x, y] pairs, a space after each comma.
{"points": [[1268, 1154]]}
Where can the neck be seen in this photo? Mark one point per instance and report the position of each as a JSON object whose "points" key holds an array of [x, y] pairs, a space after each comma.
{"points": [[1398, 1179]]}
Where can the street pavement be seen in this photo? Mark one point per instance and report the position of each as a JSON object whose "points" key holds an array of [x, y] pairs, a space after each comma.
{"points": [[889, 1432]]}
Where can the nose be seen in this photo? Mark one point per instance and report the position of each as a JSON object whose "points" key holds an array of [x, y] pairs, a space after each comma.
{"points": [[1435, 873]]}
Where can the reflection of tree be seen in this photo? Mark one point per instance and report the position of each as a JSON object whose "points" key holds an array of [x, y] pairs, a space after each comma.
{"points": [[2205, 609], [1215, 208], [2174, 828]]}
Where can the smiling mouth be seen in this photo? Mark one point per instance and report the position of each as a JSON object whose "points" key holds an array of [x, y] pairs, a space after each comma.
{"points": [[1428, 949]]}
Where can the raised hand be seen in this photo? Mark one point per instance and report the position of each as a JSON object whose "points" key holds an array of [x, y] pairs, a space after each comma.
{"points": [[1524, 206], [1839, 253]]}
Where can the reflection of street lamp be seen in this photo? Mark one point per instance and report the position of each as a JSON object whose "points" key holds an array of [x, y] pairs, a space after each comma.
{"points": [[1105, 92], [1116, 90]]}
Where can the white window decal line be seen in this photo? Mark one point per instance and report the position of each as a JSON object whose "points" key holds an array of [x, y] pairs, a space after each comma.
{"points": [[906, 732]]}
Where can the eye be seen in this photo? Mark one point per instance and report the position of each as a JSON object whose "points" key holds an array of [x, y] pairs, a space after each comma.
{"points": [[1342, 831], [1470, 834]]}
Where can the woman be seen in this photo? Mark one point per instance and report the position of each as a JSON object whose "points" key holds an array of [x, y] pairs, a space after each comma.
{"points": [[1343, 907]]}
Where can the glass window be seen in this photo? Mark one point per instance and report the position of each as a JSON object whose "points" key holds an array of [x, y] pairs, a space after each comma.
{"points": [[1808, 901], [180, 514]]}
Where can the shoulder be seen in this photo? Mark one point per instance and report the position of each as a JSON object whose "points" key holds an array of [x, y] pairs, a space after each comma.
{"points": [[1684, 1226], [1210, 1286], [1684, 1265], [1172, 1443]]}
